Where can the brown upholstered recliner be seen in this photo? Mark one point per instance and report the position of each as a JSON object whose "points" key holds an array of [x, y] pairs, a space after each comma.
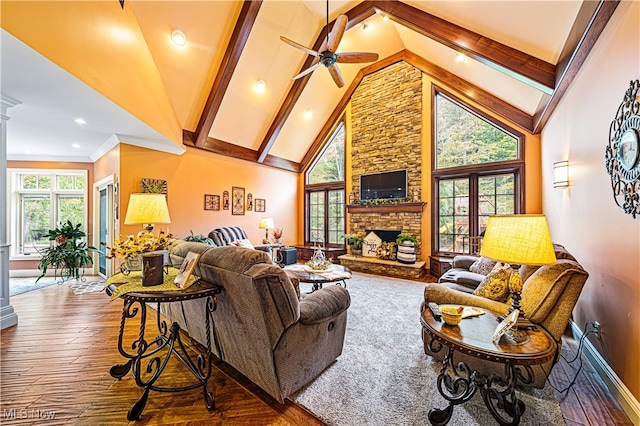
{"points": [[262, 329], [549, 295]]}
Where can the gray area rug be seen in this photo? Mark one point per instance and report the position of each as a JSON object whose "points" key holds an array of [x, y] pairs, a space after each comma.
{"points": [[23, 285], [383, 376]]}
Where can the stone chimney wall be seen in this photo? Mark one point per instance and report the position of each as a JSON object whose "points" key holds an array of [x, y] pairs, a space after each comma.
{"points": [[387, 136]]}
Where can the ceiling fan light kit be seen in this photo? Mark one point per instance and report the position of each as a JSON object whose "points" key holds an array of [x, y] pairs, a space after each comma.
{"points": [[327, 55]]}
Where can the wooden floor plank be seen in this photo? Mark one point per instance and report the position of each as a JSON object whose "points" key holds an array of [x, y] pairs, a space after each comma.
{"points": [[57, 359]]}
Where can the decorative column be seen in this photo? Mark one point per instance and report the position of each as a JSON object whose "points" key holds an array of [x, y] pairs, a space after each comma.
{"points": [[8, 317]]}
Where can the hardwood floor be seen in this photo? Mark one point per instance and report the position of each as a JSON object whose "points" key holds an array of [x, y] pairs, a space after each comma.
{"points": [[56, 361]]}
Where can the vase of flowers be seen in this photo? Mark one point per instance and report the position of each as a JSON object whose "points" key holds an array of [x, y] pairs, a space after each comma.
{"points": [[68, 253], [131, 248], [277, 235]]}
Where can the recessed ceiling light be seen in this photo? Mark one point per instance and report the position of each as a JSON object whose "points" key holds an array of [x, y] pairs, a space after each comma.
{"points": [[308, 114], [80, 121], [385, 18], [178, 38], [460, 57], [75, 145], [260, 86]]}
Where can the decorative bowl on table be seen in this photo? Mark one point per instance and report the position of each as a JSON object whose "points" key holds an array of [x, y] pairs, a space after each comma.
{"points": [[451, 314], [316, 265]]}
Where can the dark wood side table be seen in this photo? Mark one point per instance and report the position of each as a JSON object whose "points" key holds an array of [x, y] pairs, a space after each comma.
{"points": [[457, 383], [155, 353]]}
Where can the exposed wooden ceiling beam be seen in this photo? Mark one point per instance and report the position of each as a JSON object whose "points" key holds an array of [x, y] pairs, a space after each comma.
{"points": [[227, 149], [519, 65], [592, 18], [241, 32]]}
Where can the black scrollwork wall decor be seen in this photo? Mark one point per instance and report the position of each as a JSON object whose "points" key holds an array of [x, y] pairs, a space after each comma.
{"points": [[622, 157]]}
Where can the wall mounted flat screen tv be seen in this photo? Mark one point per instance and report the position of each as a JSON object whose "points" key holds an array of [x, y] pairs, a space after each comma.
{"points": [[383, 185]]}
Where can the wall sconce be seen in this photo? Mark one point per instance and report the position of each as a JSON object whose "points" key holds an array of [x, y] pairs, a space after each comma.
{"points": [[561, 174]]}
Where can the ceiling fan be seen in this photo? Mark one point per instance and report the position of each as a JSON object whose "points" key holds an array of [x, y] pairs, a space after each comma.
{"points": [[327, 55]]}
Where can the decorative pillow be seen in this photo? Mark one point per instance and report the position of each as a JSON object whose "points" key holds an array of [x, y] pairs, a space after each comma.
{"points": [[496, 285], [243, 243], [482, 266]]}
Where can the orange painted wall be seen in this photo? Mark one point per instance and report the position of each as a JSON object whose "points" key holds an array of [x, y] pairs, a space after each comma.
{"points": [[198, 172], [32, 264], [584, 216]]}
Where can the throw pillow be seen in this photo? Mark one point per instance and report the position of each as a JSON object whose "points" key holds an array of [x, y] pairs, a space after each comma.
{"points": [[482, 266], [243, 243], [496, 285]]}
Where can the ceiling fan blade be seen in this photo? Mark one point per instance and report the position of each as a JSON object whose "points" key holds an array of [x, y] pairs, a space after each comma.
{"points": [[299, 46], [336, 75], [307, 71], [356, 57], [337, 33]]}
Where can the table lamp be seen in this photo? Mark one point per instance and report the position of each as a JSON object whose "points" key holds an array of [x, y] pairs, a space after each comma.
{"points": [[147, 209], [518, 240], [266, 223]]}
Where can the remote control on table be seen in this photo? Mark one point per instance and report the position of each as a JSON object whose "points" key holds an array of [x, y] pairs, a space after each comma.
{"points": [[435, 310]]}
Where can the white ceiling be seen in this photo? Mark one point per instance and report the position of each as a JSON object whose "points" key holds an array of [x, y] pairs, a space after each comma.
{"points": [[43, 127]]}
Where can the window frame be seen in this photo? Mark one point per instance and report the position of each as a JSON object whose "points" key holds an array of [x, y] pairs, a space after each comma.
{"points": [[16, 196], [472, 172], [325, 187]]}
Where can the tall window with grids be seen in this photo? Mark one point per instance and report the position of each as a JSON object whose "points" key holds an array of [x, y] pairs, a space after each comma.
{"points": [[41, 200], [325, 189], [478, 169]]}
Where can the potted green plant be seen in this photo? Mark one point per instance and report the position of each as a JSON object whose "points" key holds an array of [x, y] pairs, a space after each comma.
{"points": [[406, 248], [68, 253], [355, 241]]}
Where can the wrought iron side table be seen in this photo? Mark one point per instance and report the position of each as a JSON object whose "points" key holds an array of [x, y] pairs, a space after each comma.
{"points": [[148, 352], [457, 383]]}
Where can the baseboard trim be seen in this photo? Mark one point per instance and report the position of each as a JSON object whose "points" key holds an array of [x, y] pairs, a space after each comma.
{"points": [[621, 393], [25, 273]]}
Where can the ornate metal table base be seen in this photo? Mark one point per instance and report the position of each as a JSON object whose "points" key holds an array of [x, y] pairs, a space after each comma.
{"points": [[458, 385], [152, 357]]}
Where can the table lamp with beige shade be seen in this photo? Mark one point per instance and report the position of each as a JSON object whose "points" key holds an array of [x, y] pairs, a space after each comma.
{"points": [[147, 210], [518, 240], [266, 223]]}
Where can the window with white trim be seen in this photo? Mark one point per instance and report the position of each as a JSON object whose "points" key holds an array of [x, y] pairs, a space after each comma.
{"points": [[42, 199]]}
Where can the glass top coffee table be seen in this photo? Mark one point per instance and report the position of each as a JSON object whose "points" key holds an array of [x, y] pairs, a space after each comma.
{"points": [[473, 336], [303, 274]]}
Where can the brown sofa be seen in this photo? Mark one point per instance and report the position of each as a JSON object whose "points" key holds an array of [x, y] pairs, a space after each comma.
{"points": [[263, 330], [549, 295]]}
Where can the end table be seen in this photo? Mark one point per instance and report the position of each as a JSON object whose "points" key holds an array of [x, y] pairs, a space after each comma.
{"points": [[155, 353], [473, 336]]}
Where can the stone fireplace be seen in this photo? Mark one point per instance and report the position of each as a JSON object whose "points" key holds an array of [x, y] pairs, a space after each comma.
{"points": [[387, 136]]}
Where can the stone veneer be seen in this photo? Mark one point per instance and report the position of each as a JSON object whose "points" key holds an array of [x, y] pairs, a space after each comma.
{"points": [[386, 122]]}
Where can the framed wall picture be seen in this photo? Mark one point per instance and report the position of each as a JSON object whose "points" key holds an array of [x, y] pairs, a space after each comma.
{"points": [[153, 186], [249, 202], [225, 200], [211, 202], [237, 200], [260, 205]]}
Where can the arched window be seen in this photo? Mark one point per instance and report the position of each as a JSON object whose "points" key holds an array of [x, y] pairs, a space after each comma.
{"points": [[325, 192]]}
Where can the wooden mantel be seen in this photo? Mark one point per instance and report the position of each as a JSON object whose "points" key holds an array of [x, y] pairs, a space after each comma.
{"points": [[417, 207]]}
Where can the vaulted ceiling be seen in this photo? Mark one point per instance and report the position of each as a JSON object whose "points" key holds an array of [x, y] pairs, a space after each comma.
{"points": [[117, 69]]}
